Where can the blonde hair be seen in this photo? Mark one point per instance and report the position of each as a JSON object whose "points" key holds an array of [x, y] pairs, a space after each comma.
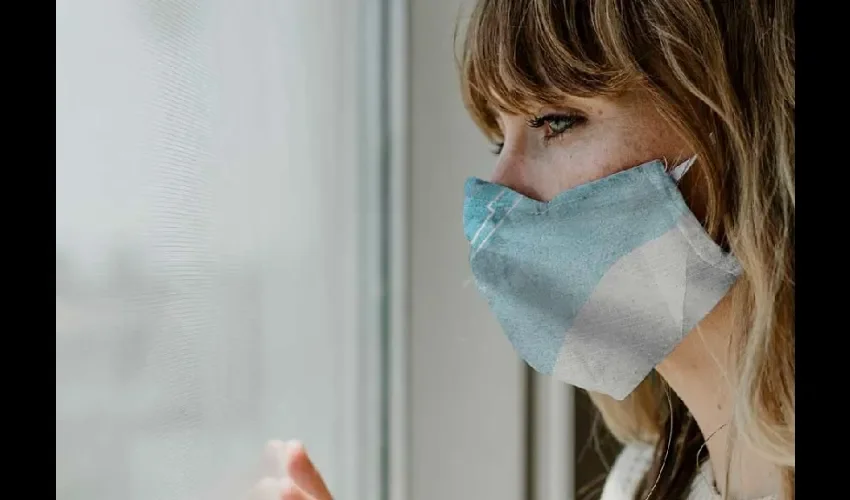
{"points": [[722, 74]]}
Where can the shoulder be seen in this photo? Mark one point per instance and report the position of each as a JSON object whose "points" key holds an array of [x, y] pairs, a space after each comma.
{"points": [[628, 469]]}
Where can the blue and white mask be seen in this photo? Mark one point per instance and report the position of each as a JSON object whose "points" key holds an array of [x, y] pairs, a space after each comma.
{"points": [[597, 286]]}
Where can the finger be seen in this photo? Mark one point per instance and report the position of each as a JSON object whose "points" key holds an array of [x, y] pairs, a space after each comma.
{"points": [[291, 491], [304, 473], [268, 488], [274, 488], [274, 459]]}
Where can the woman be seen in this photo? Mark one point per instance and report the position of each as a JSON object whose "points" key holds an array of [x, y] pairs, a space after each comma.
{"points": [[643, 202]]}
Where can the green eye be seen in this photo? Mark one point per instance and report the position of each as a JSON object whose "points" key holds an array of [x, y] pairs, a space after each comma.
{"points": [[560, 124], [556, 124]]}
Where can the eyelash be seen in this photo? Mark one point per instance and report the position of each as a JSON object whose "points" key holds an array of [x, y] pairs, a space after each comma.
{"points": [[539, 121]]}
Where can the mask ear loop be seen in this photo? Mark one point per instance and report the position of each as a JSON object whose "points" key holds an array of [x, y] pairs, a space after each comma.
{"points": [[680, 171]]}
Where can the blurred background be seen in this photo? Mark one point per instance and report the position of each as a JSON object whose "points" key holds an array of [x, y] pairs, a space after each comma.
{"points": [[258, 236]]}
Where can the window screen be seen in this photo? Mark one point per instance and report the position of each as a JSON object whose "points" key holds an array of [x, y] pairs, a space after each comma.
{"points": [[208, 229]]}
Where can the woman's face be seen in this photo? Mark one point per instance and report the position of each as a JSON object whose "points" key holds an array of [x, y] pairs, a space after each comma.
{"points": [[584, 140]]}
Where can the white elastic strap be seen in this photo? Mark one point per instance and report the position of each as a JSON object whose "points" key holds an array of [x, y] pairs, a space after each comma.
{"points": [[679, 172]]}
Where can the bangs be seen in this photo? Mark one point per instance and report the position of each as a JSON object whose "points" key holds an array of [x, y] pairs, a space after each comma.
{"points": [[519, 55]]}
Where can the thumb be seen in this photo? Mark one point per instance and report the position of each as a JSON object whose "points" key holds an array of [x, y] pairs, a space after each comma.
{"points": [[300, 468]]}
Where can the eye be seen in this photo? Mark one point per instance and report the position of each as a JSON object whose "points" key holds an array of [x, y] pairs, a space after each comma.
{"points": [[561, 124], [556, 124], [497, 148]]}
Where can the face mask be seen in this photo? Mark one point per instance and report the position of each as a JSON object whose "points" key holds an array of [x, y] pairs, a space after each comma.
{"points": [[597, 286]]}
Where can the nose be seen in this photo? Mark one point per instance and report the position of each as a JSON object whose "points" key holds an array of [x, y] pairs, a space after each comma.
{"points": [[512, 172]]}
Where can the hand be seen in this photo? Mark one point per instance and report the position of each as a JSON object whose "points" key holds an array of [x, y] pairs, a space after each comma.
{"points": [[290, 475]]}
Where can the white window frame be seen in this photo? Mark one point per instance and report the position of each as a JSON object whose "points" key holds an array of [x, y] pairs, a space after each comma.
{"points": [[362, 468]]}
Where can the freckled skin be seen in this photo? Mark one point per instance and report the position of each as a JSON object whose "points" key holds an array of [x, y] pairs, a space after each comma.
{"points": [[614, 135]]}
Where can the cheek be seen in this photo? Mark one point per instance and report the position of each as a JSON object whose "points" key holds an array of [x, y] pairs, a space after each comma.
{"points": [[559, 168], [610, 143]]}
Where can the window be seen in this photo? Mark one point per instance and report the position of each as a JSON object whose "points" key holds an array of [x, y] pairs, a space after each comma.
{"points": [[218, 245]]}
